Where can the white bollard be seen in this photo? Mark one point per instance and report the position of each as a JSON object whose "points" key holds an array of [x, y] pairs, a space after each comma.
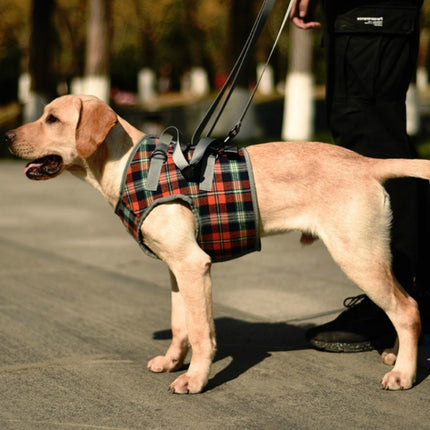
{"points": [[412, 111], [199, 82], [32, 103], [146, 80], [267, 85], [77, 86], [422, 79], [298, 107], [24, 85], [98, 86]]}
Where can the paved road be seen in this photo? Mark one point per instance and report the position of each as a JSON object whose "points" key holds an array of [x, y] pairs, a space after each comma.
{"points": [[82, 309]]}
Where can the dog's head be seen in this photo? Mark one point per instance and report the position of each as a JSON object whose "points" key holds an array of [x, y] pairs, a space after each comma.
{"points": [[71, 129]]}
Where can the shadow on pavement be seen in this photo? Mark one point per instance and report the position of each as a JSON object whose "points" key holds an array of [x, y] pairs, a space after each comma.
{"points": [[250, 343]]}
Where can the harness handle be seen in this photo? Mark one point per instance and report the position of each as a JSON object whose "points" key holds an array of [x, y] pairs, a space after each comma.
{"points": [[257, 27], [209, 144], [236, 128]]}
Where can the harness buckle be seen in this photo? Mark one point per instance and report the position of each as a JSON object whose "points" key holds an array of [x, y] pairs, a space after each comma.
{"points": [[159, 154]]}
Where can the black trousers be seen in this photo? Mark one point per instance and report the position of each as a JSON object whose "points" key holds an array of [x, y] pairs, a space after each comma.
{"points": [[371, 54]]}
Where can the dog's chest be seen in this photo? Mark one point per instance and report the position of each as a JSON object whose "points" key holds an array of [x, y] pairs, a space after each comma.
{"points": [[226, 216]]}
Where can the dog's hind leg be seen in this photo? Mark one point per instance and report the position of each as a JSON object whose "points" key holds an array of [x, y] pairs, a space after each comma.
{"points": [[405, 317], [374, 276], [360, 245], [178, 349]]}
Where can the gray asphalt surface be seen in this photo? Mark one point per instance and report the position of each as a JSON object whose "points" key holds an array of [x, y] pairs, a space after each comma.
{"points": [[82, 310]]}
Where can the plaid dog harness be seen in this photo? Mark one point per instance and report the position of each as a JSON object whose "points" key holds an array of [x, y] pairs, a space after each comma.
{"points": [[226, 216]]}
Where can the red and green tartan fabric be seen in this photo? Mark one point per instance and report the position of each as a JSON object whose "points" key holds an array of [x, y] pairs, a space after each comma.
{"points": [[227, 216]]}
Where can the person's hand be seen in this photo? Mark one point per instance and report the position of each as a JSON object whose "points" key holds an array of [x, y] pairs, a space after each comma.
{"points": [[302, 14]]}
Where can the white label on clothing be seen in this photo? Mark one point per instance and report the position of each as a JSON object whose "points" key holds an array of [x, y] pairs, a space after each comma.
{"points": [[374, 21]]}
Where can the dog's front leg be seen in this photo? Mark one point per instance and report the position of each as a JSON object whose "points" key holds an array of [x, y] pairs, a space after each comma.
{"points": [[178, 349], [193, 277], [169, 231]]}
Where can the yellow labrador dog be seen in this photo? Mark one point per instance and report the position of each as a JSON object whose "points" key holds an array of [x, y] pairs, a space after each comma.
{"points": [[319, 189]]}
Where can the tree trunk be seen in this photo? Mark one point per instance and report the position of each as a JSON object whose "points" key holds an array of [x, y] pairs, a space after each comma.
{"points": [[42, 48], [242, 17], [42, 81], [97, 80]]}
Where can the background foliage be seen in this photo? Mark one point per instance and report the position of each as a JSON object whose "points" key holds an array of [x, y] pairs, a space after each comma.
{"points": [[177, 34]]}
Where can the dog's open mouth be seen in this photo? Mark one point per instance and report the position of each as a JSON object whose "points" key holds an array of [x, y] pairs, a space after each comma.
{"points": [[44, 168]]}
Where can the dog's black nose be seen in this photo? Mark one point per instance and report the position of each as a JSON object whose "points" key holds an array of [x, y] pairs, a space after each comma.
{"points": [[9, 137]]}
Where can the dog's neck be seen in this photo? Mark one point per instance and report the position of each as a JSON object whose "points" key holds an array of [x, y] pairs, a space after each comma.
{"points": [[104, 170]]}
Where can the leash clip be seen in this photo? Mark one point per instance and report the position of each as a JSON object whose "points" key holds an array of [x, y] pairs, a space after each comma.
{"points": [[233, 132]]}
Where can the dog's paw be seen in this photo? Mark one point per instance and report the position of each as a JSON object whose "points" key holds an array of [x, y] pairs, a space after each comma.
{"points": [[389, 356], [187, 384], [396, 380], [162, 363]]}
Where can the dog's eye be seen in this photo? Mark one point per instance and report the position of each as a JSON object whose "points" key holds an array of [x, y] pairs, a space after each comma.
{"points": [[50, 119]]}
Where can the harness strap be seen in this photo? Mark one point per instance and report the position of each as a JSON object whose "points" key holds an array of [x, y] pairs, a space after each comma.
{"points": [[201, 149], [158, 157], [205, 144], [178, 156]]}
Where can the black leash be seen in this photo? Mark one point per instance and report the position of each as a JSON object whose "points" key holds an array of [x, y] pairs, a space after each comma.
{"points": [[231, 81], [208, 145]]}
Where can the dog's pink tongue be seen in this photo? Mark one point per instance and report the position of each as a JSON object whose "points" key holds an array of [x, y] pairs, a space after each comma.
{"points": [[32, 166]]}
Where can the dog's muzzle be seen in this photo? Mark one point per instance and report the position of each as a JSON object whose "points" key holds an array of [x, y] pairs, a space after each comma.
{"points": [[46, 167]]}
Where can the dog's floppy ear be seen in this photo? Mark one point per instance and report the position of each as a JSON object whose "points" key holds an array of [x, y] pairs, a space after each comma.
{"points": [[95, 121]]}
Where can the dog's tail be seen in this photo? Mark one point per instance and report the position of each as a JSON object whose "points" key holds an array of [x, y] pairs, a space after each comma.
{"points": [[384, 169]]}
